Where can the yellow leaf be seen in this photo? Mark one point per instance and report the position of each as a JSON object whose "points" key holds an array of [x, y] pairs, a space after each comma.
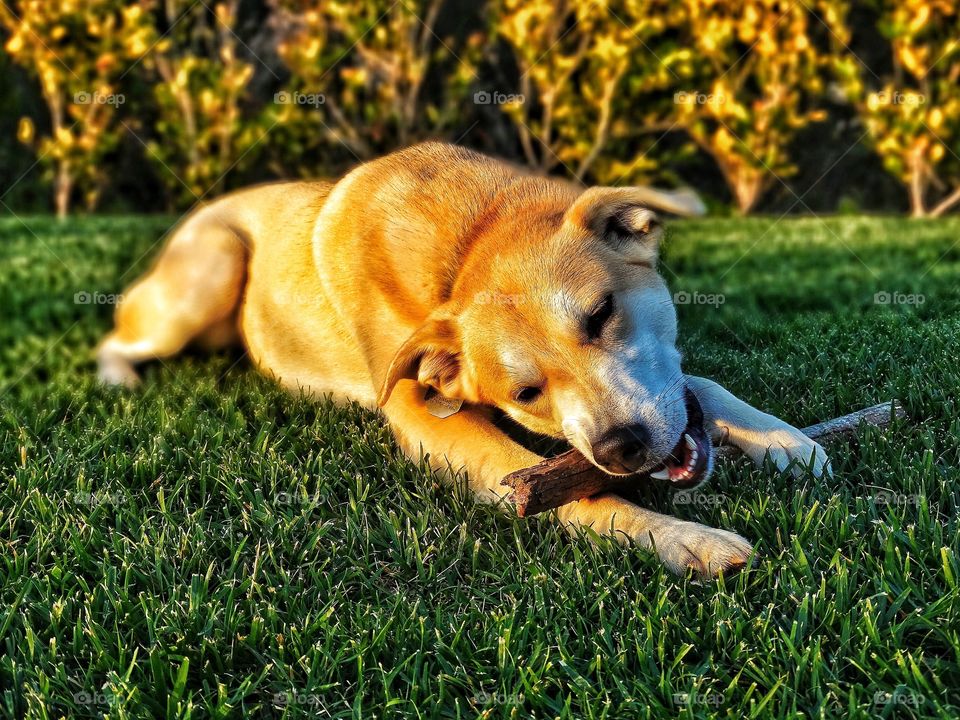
{"points": [[64, 137], [920, 19], [15, 44], [25, 131]]}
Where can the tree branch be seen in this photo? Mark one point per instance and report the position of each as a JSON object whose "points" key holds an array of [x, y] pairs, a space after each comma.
{"points": [[570, 476]]}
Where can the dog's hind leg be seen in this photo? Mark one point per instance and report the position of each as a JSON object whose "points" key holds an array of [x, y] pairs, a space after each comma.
{"points": [[191, 294]]}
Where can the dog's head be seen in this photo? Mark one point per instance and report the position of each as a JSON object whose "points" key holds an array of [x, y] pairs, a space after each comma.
{"points": [[561, 320]]}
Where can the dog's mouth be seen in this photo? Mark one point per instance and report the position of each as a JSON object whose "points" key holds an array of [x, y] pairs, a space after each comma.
{"points": [[690, 461]]}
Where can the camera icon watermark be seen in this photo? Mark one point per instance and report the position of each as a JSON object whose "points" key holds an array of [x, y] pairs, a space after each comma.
{"points": [[885, 297], [99, 98], [685, 297], [487, 97], [85, 297], [285, 97]]}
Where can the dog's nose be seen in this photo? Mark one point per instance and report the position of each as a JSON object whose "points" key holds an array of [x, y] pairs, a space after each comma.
{"points": [[623, 449]]}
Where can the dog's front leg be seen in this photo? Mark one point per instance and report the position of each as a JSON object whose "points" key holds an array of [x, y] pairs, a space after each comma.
{"points": [[729, 419], [467, 440], [679, 544]]}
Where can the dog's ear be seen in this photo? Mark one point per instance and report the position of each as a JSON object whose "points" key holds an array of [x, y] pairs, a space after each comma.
{"points": [[431, 356], [622, 218]]}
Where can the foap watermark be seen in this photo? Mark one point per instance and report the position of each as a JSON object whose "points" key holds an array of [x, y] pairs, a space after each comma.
{"points": [[885, 297], [895, 97], [487, 97], [907, 698], [298, 299], [91, 699], [683, 699], [99, 98], [296, 499], [87, 297], [286, 97], [690, 497], [687, 297], [886, 497], [694, 97], [91, 499], [485, 297], [496, 698], [284, 699]]}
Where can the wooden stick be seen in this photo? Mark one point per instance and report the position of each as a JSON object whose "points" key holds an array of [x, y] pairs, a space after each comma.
{"points": [[568, 477]]}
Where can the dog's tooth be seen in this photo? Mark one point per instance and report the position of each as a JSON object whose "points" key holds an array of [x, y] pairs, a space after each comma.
{"points": [[693, 456], [661, 474], [691, 443]]}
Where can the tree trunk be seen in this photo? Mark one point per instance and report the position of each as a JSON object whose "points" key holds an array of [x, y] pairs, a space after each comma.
{"points": [[917, 208], [746, 187], [62, 187], [945, 204]]}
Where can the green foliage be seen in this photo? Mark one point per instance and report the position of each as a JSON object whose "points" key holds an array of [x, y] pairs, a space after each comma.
{"points": [[212, 547], [912, 114], [370, 76], [756, 78], [77, 52], [616, 92], [582, 67], [199, 86]]}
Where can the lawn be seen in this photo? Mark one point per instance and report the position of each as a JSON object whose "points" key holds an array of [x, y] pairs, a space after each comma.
{"points": [[211, 547]]}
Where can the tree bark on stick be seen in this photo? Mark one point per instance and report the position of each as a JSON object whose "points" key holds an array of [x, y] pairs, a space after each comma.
{"points": [[569, 477]]}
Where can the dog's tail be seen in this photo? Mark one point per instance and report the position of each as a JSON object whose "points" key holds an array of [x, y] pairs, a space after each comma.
{"points": [[680, 202]]}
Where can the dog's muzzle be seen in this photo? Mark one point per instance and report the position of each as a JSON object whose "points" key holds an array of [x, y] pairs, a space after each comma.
{"points": [[689, 463]]}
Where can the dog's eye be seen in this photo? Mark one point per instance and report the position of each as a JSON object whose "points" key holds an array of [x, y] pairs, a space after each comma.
{"points": [[527, 394], [599, 317]]}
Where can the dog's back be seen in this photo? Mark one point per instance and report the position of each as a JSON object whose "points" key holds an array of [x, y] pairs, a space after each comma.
{"points": [[325, 282]]}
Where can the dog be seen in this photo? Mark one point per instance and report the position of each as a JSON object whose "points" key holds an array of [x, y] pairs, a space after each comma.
{"points": [[443, 286]]}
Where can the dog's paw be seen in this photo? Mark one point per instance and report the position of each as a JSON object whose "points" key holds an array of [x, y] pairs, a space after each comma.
{"points": [[705, 550], [115, 372], [790, 448]]}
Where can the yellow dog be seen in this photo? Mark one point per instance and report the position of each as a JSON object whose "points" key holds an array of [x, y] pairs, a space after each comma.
{"points": [[439, 285]]}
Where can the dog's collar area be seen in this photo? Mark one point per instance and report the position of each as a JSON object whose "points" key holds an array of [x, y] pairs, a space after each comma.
{"points": [[439, 405], [688, 462]]}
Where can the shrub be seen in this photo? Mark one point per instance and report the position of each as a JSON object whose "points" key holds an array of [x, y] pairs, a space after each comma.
{"points": [[77, 51], [588, 78], [752, 73], [912, 113], [199, 86], [368, 76]]}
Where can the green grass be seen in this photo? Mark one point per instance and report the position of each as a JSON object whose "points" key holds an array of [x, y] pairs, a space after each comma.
{"points": [[209, 546]]}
